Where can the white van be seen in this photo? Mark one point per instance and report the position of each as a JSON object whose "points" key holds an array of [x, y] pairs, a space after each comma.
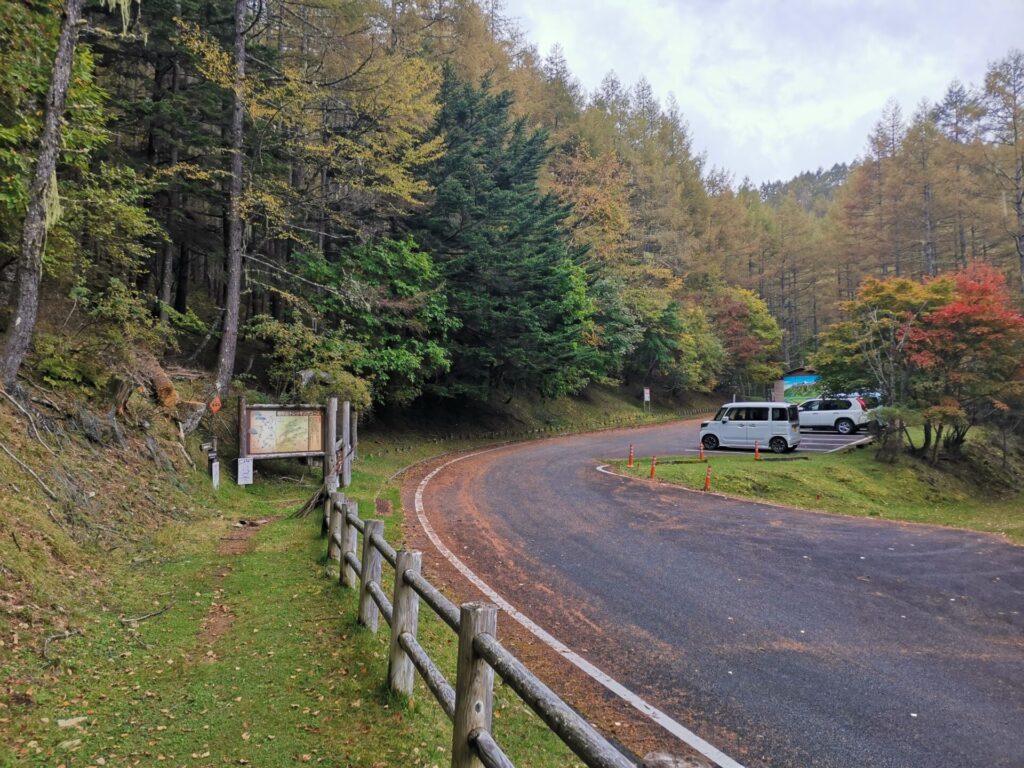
{"points": [[774, 426]]}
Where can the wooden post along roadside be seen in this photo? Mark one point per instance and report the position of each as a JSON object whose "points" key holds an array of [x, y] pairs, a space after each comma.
{"points": [[401, 671], [334, 528], [474, 683], [346, 444], [369, 613], [330, 459], [349, 533]]}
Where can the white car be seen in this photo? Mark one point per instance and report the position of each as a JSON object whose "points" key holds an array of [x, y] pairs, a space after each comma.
{"points": [[843, 414], [773, 426]]}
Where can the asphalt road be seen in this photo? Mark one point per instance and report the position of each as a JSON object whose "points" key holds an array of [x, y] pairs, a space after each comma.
{"points": [[786, 638]]}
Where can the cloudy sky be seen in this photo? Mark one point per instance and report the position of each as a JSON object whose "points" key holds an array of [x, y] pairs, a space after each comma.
{"points": [[776, 87]]}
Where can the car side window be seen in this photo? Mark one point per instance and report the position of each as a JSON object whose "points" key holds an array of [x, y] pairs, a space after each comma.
{"points": [[736, 414], [843, 405], [814, 405], [757, 414], [780, 414]]}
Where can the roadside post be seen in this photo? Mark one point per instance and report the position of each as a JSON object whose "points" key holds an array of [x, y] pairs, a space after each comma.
{"points": [[707, 479], [654, 465], [212, 462], [630, 456]]}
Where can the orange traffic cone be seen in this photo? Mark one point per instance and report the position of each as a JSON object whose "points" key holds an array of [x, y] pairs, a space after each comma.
{"points": [[757, 451], [707, 479], [702, 452], [630, 455], [654, 465]]}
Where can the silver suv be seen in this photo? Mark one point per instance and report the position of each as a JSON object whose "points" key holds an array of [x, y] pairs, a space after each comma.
{"points": [[843, 414]]}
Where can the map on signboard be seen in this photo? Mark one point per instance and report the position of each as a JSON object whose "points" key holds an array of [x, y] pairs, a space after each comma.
{"points": [[272, 431]]}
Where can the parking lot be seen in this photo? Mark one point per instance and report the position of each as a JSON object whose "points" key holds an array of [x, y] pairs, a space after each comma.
{"points": [[816, 441], [811, 441]]}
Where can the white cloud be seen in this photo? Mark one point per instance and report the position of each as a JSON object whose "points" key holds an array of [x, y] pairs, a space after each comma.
{"points": [[777, 87]]}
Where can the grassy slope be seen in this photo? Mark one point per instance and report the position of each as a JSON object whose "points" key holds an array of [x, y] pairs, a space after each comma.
{"points": [[294, 679], [855, 484]]}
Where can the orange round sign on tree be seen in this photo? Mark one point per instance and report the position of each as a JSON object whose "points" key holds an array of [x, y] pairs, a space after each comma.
{"points": [[215, 404]]}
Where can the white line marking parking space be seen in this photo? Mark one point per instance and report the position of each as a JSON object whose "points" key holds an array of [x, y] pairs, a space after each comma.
{"points": [[665, 721]]}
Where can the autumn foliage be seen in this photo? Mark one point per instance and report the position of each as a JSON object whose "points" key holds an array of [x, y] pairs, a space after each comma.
{"points": [[947, 351]]}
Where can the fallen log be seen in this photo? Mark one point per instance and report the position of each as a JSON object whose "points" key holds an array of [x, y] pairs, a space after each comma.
{"points": [[163, 387]]}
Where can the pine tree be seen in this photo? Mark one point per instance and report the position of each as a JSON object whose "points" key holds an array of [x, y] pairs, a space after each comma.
{"points": [[514, 282]]}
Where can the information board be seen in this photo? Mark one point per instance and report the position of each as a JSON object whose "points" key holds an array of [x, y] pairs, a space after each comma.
{"points": [[272, 431]]}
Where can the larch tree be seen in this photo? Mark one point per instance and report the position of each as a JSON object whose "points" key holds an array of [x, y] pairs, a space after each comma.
{"points": [[43, 203], [236, 187], [1003, 104]]}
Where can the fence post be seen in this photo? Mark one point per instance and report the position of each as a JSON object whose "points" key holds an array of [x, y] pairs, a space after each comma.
{"points": [[347, 577], [334, 529], [354, 437], [346, 444], [330, 458], [405, 618], [474, 683], [369, 613]]}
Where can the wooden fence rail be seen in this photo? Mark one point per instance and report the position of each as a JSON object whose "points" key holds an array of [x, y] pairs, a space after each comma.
{"points": [[469, 703]]}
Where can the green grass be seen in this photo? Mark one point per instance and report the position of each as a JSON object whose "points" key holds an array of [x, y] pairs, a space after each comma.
{"points": [[852, 483], [294, 680]]}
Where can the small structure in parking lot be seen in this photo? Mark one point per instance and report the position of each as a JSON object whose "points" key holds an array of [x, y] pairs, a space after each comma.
{"points": [[797, 385]]}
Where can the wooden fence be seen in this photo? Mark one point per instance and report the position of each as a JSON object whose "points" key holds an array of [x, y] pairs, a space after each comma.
{"points": [[468, 704]]}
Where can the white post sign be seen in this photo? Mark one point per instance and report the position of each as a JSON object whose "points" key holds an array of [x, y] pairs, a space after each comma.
{"points": [[245, 471], [647, 394], [215, 474]]}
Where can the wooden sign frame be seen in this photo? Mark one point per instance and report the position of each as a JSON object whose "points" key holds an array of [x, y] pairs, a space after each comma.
{"points": [[246, 411], [337, 454]]}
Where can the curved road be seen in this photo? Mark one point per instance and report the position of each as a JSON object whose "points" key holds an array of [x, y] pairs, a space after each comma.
{"points": [[784, 637]]}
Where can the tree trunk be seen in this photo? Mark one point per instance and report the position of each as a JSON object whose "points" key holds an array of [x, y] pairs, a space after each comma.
{"points": [[33, 233], [229, 338], [184, 267], [1018, 205], [163, 387], [173, 198], [166, 278], [926, 443], [931, 265]]}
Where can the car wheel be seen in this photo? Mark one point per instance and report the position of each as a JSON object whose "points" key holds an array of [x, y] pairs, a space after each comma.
{"points": [[778, 445], [845, 427], [710, 442]]}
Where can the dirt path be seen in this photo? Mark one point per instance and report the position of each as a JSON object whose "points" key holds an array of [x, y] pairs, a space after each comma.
{"points": [[219, 618]]}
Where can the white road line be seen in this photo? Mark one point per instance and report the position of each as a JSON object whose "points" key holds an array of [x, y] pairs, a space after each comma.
{"points": [[862, 441], [676, 729]]}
